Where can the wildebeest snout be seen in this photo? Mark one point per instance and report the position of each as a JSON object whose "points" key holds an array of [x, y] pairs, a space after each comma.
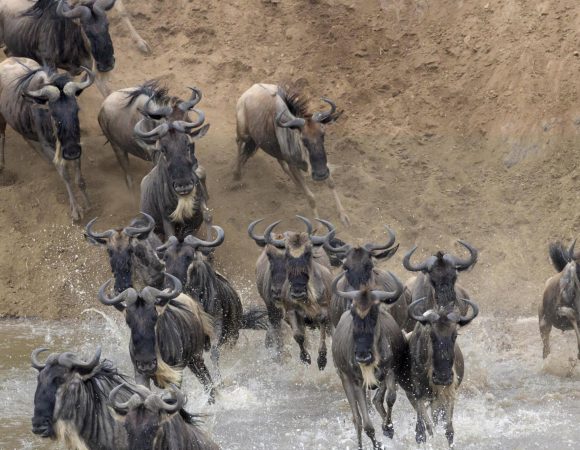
{"points": [[364, 357], [42, 426], [147, 367], [183, 188]]}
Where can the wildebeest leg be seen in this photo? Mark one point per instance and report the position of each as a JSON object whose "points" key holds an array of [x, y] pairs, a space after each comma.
{"points": [[545, 328], [389, 387], [274, 332], [423, 422], [284, 167], [448, 420], [168, 228], [80, 182], [361, 398], [348, 387], [297, 325], [101, 81], [246, 148], [63, 169], [341, 212], [322, 348], [301, 184], [142, 380], [141, 43], [215, 351], [571, 315], [123, 159], [199, 369]]}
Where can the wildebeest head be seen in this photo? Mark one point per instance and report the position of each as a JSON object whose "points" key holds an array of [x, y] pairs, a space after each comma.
{"points": [[312, 130], [443, 323], [144, 413], [358, 261], [365, 311], [59, 369], [442, 269], [58, 95], [92, 16], [178, 256], [173, 141], [122, 244], [141, 315]]}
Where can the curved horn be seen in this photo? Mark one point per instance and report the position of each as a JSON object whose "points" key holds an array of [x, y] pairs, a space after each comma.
{"points": [[334, 288], [72, 87], [321, 240], [77, 12], [184, 127], [386, 296], [464, 320], [463, 264], [411, 311], [194, 100], [49, 93], [325, 116], [295, 122], [156, 133], [392, 237], [162, 297], [260, 240], [170, 243], [571, 250], [70, 360], [129, 295], [278, 243], [407, 262], [179, 398], [101, 6], [196, 242], [34, 359], [342, 249], [122, 408], [104, 235], [309, 227], [156, 114], [136, 231]]}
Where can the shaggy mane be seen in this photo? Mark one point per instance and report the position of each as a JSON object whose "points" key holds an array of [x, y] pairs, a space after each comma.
{"points": [[40, 7], [295, 99], [152, 89]]}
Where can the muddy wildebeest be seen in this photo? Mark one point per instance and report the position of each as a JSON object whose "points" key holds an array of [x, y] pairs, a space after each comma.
{"points": [[121, 111], [54, 34], [40, 104], [560, 306], [369, 349], [295, 286], [153, 422], [437, 279], [436, 364], [276, 119], [185, 260], [70, 403], [359, 270], [131, 252], [168, 332]]}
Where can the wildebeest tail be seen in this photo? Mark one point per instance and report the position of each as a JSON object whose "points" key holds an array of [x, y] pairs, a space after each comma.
{"points": [[558, 256], [336, 258], [255, 318]]}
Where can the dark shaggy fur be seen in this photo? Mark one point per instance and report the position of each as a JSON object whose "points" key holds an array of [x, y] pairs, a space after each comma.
{"points": [[558, 256], [295, 99], [152, 89]]}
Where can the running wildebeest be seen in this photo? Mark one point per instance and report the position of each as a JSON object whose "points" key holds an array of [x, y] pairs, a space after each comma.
{"points": [[41, 105], [436, 364], [153, 422], [168, 332], [277, 120], [437, 280], [186, 261], [295, 286], [58, 35], [71, 401], [560, 306], [132, 253], [360, 270], [369, 349]]}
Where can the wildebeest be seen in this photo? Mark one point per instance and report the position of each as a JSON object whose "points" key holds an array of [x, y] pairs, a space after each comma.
{"points": [[40, 104], [154, 422], [437, 280], [186, 261], [295, 286], [58, 35], [71, 401], [132, 253], [436, 364], [360, 270], [560, 306], [277, 120], [369, 349], [167, 333]]}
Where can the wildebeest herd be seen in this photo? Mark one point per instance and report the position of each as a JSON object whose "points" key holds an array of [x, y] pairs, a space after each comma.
{"points": [[177, 306]]}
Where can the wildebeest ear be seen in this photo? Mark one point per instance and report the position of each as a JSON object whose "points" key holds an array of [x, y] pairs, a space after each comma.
{"points": [[94, 241], [199, 133], [36, 100], [387, 253]]}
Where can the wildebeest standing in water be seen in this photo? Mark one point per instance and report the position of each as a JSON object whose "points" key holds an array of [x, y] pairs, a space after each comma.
{"points": [[368, 350], [295, 286], [58, 35], [560, 306], [155, 422], [41, 105], [276, 119], [132, 253], [186, 261], [71, 401], [168, 332], [436, 364], [360, 270]]}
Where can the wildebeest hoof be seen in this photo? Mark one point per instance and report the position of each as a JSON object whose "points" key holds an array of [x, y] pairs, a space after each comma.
{"points": [[345, 219], [305, 358], [321, 361], [389, 430], [76, 214], [143, 47]]}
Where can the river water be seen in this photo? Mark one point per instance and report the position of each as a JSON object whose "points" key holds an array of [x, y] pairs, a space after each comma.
{"points": [[511, 399]]}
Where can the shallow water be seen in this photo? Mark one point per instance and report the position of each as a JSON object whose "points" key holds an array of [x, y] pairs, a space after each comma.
{"points": [[511, 399]]}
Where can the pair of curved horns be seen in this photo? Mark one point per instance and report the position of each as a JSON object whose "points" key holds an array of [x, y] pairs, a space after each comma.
{"points": [[161, 130], [194, 241], [99, 7], [148, 293], [143, 395], [326, 116], [293, 122], [279, 243], [379, 295], [459, 263], [51, 93], [434, 316], [130, 231], [68, 359], [195, 98], [370, 247]]}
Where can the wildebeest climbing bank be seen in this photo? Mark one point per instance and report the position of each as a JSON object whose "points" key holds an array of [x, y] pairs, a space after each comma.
{"points": [[289, 224]]}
